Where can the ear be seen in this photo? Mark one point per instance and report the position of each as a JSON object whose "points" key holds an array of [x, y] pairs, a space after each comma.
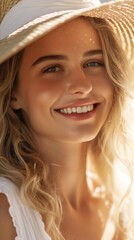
{"points": [[14, 102]]}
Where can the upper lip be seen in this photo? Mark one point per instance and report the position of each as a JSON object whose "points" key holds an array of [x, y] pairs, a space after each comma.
{"points": [[78, 104]]}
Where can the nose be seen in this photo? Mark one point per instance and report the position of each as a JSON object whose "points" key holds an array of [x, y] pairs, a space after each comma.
{"points": [[78, 82]]}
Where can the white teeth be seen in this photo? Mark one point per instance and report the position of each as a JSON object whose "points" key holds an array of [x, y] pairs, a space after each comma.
{"points": [[74, 110], [82, 109], [79, 110]]}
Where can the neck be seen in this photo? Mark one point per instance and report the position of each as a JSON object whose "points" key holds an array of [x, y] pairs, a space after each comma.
{"points": [[67, 169]]}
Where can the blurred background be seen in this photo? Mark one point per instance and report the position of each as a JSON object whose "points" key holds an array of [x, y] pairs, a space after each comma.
{"points": [[105, 1]]}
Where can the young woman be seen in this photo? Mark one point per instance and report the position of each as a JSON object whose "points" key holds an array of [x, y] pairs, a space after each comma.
{"points": [[66, 132]]}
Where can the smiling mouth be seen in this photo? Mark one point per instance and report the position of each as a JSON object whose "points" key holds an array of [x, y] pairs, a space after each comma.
{"points": [[77, 109]]}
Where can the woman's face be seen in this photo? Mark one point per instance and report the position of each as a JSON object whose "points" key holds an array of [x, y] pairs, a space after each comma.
{"points": [[63, 85]]}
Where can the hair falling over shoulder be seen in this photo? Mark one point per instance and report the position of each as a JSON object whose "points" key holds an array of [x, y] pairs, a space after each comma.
{"points": [[114, 144], [20, 162], [18, 158]]}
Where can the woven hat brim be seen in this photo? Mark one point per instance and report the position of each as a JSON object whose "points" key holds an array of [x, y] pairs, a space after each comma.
{"points": [[119, 14]]}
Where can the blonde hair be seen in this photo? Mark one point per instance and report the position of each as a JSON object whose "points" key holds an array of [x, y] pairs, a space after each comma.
{"points": [[19, 160], [118, 129], [114, 144]]}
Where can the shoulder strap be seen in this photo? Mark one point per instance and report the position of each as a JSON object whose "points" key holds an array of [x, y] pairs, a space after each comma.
{"points": [[28, 222]]}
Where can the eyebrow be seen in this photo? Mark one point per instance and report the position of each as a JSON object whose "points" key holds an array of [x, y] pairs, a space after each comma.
{"points": [[63, 57]]}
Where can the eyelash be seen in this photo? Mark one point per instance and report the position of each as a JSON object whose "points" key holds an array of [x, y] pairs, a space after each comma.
{"points": [[94, 64], [91, 64], [51, 69]]}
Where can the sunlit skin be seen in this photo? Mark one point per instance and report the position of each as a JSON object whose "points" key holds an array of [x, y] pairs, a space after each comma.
{"points": [[74, 76]]}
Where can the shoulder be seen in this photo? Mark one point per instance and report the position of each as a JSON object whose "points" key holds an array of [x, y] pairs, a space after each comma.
{"points": [[17, 219], [7, 200], [4, 204], [7, 230]]}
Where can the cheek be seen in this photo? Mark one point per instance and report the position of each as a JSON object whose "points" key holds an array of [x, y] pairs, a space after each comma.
{"points": [[38, 102], [104, 86], [47, 89], [38, 93]]}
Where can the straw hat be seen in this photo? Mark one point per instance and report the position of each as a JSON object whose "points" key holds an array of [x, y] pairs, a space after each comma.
{"points": [[24, 21]]}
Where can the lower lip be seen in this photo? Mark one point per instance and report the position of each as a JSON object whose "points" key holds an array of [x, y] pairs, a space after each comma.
{"points": [[80, 116]]}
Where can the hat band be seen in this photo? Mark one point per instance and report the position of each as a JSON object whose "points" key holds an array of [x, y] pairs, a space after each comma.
{"points": [[28, 10]]}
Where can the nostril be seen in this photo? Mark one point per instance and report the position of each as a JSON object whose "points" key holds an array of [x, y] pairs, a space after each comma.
{"points": [[78, 89]]}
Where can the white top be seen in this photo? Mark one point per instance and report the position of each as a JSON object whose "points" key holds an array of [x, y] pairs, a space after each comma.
{"points": [[28, 222]]}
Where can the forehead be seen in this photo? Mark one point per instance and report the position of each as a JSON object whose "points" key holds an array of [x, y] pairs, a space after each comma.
{"points": [[76, 34]]}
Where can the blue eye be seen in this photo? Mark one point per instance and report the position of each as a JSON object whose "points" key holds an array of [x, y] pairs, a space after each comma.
{"points": [[51, 69], [94, 64]]}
